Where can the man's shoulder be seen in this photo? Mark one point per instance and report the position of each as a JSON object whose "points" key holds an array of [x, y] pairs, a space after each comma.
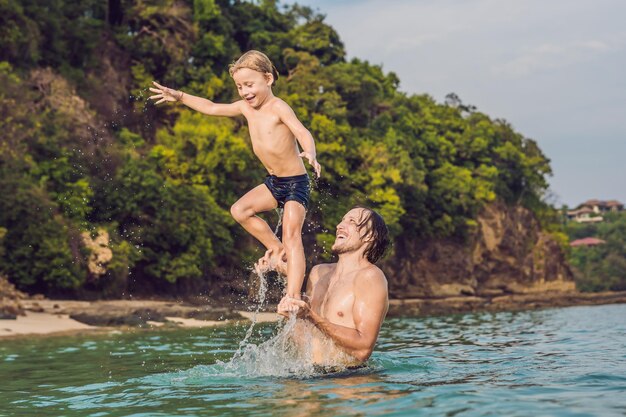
{"points": [[372, 277], [320, 270]]}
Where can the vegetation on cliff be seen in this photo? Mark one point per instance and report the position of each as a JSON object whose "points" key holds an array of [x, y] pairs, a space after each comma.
{"points": [[82, 150], [601, 267]]}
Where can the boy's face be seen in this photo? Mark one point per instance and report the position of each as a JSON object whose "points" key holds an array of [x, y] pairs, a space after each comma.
{"points": [[253, 86]]}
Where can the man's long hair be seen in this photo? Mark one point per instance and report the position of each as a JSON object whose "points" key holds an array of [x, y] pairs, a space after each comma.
{"points": [[375, 231]]}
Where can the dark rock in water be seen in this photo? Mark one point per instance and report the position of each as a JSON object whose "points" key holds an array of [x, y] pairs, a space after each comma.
{"points": [[136, 318], [215, 314], [505, 253], [148, 314], [7, 316]]}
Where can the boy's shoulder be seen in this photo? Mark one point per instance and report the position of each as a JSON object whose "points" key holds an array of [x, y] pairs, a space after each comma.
{"points": [[278, 105]]}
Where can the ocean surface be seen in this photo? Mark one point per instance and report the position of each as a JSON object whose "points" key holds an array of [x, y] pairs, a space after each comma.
{"points": [[553, 362]]}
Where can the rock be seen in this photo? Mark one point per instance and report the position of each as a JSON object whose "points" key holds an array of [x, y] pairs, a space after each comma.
{"points": [[9, 310], [100, 253], [35, 307], [10, 306], [507, 253], [215, 314], [136, 318], [7, 316], [8, 290]]}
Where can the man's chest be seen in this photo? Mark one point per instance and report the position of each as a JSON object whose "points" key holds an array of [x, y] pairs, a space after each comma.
{"points": [[334, 299]]}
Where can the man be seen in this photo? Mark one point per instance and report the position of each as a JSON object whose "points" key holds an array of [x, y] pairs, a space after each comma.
{"points": [[348, 300]]}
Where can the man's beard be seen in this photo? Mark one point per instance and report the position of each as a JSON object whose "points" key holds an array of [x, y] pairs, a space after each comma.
{"points": [[346, 248]]}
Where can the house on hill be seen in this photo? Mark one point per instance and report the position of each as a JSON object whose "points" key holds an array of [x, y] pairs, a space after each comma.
{"points": [[591, 210], [588, 241]]}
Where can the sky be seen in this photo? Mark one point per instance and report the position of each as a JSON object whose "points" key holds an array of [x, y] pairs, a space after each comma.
{"points": [[554, 69]]}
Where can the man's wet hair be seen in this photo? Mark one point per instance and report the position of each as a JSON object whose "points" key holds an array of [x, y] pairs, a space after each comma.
{"points": [[375, 231]]}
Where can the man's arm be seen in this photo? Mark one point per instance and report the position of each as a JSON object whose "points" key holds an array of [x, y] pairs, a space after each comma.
{"points": [[314, 276], [302, 134], [369, 310], [197, 103]]}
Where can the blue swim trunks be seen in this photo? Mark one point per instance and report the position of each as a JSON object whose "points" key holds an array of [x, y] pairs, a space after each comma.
{"points": [[296, 188]]}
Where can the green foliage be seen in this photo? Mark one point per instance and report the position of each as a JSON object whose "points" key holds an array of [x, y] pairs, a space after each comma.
{"points": [[38, 246], [161, 181], [602, 267]]}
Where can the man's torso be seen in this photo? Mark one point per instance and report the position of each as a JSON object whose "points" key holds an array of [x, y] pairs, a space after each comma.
{"points": [[333, 298]]}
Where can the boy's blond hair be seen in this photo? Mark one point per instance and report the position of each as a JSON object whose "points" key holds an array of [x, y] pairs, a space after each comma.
{"points": [[256, 61]]}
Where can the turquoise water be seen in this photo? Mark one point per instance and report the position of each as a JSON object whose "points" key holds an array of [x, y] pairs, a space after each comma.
{"points": [[554, 362]]}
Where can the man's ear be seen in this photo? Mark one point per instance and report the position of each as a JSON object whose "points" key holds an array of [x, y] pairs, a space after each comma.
{"points": [[368, 237]]}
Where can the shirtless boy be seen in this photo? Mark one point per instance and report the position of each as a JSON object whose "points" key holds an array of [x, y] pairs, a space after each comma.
{"points": [[275, 132]]}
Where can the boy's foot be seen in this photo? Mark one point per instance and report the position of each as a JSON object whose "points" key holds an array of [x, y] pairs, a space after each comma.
{"points": [[287, 305], [272, 262]]}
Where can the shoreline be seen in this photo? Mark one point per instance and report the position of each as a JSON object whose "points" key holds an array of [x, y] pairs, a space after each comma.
{"points": [[69, 317], [417, 307]]}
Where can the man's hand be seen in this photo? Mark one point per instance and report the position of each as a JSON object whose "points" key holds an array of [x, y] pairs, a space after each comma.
{"points": [[289, 304], [165, 93], [313, 161]]}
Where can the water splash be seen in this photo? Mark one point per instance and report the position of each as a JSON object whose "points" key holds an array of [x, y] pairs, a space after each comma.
{"points": [[261, 300]]}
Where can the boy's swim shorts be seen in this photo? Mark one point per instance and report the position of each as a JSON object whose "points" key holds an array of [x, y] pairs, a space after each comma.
{"points": [[296, 188]]}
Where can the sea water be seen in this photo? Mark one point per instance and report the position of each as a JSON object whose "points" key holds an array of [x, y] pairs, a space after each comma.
{"points": [[552, 362]]}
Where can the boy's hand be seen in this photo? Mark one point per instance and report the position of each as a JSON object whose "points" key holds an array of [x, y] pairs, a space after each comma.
{"points": [[313, 161], [165, 93]]}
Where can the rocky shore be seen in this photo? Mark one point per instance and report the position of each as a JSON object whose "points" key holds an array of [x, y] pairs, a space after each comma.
{"points": [[40, 316], [414, 307]]}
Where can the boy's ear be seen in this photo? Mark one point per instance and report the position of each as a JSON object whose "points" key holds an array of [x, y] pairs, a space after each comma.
{"points": [[270, 78]]}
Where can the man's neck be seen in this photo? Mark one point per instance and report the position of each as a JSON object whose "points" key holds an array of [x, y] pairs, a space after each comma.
{"points": [[351, 261]]}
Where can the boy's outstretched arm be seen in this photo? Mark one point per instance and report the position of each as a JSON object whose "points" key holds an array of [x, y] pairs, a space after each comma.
{"points": [[197, 103], [302, 134]]}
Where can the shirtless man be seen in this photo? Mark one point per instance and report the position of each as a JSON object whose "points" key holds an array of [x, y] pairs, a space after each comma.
{"points": [[348, 300]]}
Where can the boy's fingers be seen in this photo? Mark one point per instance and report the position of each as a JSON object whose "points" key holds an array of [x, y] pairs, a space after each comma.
{"points": [[156, 90], [157, 96], [157, 84], [160, 101]]}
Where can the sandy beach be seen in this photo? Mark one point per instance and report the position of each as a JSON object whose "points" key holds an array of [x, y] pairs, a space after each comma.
{"points": [[60, 317]]}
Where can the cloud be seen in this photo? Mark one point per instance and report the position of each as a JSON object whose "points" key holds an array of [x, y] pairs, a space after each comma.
{"points": [[549, 56]]}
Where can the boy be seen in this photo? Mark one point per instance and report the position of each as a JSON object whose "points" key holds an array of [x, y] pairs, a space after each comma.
{"points": [[274, 130]]}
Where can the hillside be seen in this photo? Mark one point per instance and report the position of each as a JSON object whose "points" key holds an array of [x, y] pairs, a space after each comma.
{"points": [[106, 195]]}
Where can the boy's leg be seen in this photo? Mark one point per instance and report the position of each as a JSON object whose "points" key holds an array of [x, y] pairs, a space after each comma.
{"points": [[293, 220], [244, 211]]}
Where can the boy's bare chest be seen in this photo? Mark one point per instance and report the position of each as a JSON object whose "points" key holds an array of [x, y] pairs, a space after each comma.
{"points": [[266, 129]]}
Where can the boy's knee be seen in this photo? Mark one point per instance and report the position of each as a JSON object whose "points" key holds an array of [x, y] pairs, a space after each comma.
{"points": [[292, 238], [238, 212]]}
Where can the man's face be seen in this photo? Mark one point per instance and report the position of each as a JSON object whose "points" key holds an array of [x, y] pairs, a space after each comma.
{"points": [[348, 237], [252, 86]]}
